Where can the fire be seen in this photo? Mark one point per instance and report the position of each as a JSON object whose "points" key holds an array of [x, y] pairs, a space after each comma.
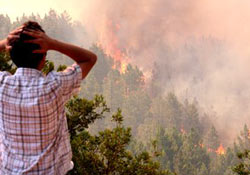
{"points": [[220, 150], [123, 67], [249, 133], [110, 42]]}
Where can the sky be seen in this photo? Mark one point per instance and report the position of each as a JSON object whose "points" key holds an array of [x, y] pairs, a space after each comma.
{"points": [[15, 8]]}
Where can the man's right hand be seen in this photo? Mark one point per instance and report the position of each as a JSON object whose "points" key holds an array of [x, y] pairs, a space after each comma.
{"points": [[5, 44], [45, 42]]}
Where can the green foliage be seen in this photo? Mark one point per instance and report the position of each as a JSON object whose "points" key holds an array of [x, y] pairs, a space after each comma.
{"points": [[106, 152], [90, 87], [155, 87], [183, 152], [244, 139], [243, 168], [113, 89], [190, 117], [133, 78], [61, 68], [48, 67], [191, 157], [212, 139], [104, 64], [136, 107], [81, 112], [6, 63], [170, 142]]}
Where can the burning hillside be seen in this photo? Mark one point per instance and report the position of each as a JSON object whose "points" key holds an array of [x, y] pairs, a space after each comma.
{"points": [[110, 42], [195, 59]]}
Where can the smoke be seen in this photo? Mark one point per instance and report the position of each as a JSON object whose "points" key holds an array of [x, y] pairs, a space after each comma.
{"points": [[200, 47]]}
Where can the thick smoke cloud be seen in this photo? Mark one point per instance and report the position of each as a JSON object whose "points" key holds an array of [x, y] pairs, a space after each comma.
{"points": [[201, 47]]}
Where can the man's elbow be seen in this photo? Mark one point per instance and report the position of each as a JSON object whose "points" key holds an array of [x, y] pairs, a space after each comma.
{"points": [[87, 66], [93, 59]]}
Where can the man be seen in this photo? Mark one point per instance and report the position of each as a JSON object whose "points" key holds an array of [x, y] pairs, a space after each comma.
{"points": [[33, 126]]}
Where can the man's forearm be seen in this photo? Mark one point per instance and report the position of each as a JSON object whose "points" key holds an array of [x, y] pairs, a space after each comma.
{"points": [[78, 54], [84, 58]]}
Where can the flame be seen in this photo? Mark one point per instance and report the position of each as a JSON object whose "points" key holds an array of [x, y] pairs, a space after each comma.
{"points": [[220, 150], [123, 67], [110, 43]]}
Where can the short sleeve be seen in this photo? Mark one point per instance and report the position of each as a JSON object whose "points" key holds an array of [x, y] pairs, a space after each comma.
{"points": [[70, 80], [3, 74]]}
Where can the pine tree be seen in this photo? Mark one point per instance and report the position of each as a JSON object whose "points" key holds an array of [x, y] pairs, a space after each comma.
{"points": [[192, 156], [243, 168], [106, 152], [212, 139]]}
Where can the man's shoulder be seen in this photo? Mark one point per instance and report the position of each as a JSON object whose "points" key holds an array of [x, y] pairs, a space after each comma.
{"points": [[70, 73], [5, 73]]}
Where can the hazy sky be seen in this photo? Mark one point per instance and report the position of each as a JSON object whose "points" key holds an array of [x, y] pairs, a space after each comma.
{"points": [[15, 8], [224, 18]]}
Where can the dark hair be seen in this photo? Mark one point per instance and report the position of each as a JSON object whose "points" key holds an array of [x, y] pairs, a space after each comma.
{"points": [[21, 53]]}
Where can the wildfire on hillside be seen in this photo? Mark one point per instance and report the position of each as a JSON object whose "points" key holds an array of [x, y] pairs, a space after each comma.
{"points": [[110, 43], [219, 151]]}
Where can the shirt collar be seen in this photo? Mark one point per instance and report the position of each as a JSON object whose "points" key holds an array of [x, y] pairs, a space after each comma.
{"points": [[28, 72]]}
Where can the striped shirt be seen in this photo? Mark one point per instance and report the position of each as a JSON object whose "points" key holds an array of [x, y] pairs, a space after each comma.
{"points": [[33, 126]]}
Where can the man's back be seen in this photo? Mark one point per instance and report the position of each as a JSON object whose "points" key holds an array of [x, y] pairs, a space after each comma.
{"points": [[32, 121], [33, 125]]}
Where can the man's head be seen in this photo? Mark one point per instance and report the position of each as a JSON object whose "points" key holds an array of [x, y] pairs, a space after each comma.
{"points": [[21, 53]]}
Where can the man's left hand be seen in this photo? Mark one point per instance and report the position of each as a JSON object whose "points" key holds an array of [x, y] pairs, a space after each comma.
{"points": [[12, 35]]}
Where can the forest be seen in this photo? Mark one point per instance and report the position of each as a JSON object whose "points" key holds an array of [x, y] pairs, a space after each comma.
{"points": [[122, 124]]}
